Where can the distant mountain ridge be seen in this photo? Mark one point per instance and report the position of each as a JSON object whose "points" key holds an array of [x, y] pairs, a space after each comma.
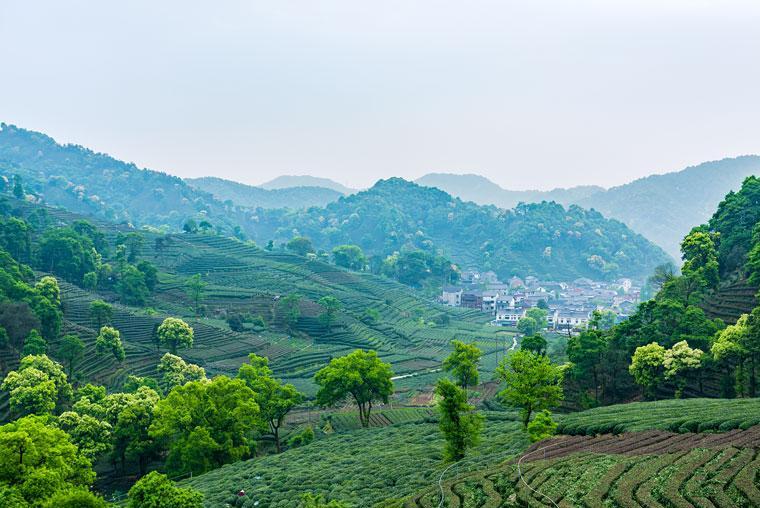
{"points": [[662, 207], [481, 190], [288, 181], [257, 197]]}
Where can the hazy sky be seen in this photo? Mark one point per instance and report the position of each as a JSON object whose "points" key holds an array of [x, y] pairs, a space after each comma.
{"points": [[532, 94]]}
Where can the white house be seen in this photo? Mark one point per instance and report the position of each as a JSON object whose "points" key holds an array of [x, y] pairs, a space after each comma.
{"points": [[451, 296], [571, 319]]}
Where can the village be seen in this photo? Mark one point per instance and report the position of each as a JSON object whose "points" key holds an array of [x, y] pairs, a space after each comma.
{"points": [[568, 305]]}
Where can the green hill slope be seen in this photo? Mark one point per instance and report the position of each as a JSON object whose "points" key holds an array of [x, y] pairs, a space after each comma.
{"points": [[542, 239]]}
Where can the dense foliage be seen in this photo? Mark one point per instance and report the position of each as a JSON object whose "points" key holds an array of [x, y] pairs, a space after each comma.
{"points": [[257, 197]]}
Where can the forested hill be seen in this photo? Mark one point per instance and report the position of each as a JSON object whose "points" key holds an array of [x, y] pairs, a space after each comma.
{"points": [[96, 184], [665, 207], [543, 239], [290, 181], [257, 197]]}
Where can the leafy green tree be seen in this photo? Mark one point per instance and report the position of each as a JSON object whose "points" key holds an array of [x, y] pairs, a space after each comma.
{"points": [[130, 416], [38, 386], [542, 426], [678, 362], [534, 343], [541, 304], [150, 274], [48, 287], [728, 350], [71, 351], [539, 315], [462, 363], [586, 353], [300, 245], [101, 313], [700, 256], [360, 376], [176, 372], [460, 426], [131, 286], [331, 306], [78, 497], [349, 256], [533, 383], [18, 188], [289, 310], [35, 344], [109, 341], [175, 333], [274, 398], [91, 435], [156, 490], [602, 320], [647, 367], [195, 287], [65, 252], [15, 237], [190, 226], [38, 460], [527, 326], [133, 383], [205, 424], [751, 344]]}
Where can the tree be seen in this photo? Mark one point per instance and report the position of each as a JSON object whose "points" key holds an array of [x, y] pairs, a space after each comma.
{"points": [[131, 286], [300, 245], [39, 460], [190, 226], [751, 344], [78, 497], [542, 426], [534, 343], [18, 188], [289, 310], [205, 226], [195, 287], [462, 363], [15, 237], [101, 313], [678, 361], [156, 490], [109, 341], [48, 287], [541, 304], [130, 416], [65, 252], [38, 386], [71, 351], [150, 274], [34, 344], [349, 256], [91, 435], [359, 375], [205, 424], [176, 372], [332, 306], [602, 319], [701, 256], [460, 427], [533, 383], [586, 352], [175, 333], [527, 326], [728, 350], [274, 398], [647, 367], [539, 315]]}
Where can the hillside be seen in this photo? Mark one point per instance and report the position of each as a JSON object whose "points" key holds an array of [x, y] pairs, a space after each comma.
{"points": [[542, 239], [257, 197], [483, 191], [288, 181], [96, 184], [664, 208]]}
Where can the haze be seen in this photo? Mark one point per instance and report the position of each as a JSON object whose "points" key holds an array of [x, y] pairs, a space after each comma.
{"points": [[530, 94]]}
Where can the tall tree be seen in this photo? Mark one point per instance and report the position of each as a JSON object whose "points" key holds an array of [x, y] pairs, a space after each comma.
{"points": [[462, 363], [35, 344], [360, 376], [195, 287], [175, 333], [349, 256], [533, 383], [38, 386], [527, 326], [647, 367], [534, 343], [300, 245], [156, 490], [331, 306], [71, 351], [586, 352], [289, 310], [274, 398], [678, 362], [176, 372], [101, 313], [109, 342], [460, 426]]}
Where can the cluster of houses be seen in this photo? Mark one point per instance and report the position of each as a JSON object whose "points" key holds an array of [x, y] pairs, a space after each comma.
{"points": [[569, 304]]}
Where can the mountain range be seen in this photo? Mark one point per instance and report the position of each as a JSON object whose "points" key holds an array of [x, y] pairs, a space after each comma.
{"points": [[259, 197]]}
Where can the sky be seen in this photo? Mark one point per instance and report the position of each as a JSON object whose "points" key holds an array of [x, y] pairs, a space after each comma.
{"points": [[531, 94]]}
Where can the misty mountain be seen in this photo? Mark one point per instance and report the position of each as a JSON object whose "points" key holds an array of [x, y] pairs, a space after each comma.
{"points": [[481, 190], [543, 239], [256, 197], [288, 181]]}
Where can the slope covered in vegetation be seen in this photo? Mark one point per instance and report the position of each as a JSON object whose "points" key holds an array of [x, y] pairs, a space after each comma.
{"points": [[542, 239]]}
